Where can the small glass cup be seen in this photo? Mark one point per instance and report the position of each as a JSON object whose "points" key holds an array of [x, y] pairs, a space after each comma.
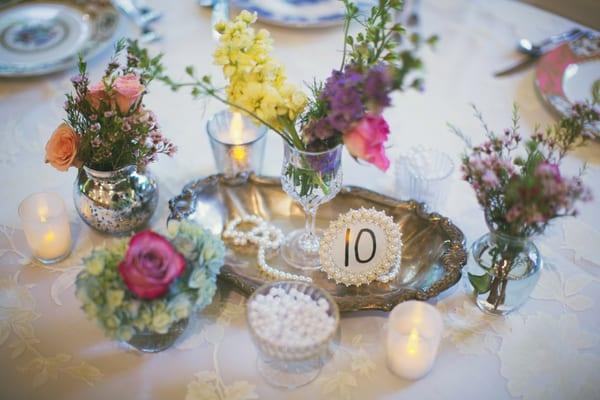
{"points": [[290, 367], [46, 226], [413, 336], [422, 175], [238, 144]]}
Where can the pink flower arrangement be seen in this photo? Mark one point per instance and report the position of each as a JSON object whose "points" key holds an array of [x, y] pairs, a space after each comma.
{"points": [[107, 125], [150, 265], [522, 193]]}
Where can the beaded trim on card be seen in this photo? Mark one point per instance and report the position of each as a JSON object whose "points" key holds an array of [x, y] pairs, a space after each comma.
{"points": [[389, 265]]}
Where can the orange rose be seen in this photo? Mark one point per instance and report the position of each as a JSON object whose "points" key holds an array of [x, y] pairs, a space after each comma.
{"points": [[61, 149], [128, 90]]}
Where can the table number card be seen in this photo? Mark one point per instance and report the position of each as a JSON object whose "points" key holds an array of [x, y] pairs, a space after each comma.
{"points": [[361, 246]]}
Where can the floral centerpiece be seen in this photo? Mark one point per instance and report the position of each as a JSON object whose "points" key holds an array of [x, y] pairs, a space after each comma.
{"points": [[110, 136], [344, 110], [143, 290], [521, 188]]}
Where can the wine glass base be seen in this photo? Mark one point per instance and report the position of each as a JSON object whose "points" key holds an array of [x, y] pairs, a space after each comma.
{"points": [[296, 256]]}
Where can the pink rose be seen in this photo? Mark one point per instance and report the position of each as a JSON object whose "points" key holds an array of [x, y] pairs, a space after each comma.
{"points": [[61, 149], [366, 139], [150, 265], [128, 90], [97, 94]]}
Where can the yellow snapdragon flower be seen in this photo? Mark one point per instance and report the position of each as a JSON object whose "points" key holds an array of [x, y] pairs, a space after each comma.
{"points": [[257, 82]]}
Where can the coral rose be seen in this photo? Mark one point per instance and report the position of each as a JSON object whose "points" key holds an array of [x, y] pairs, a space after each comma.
{"points": [[61, 149], [128, 90], [365, 140], [150, 265]]}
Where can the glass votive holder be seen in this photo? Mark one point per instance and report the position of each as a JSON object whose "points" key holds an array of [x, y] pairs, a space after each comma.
{"points": [[46, 226], [283, 362], [238, 144], [414, 331], [422, 175]]}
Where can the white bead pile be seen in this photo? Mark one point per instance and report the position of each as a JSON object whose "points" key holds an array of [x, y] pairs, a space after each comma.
{"points": [[266, 237], [290, 319]]}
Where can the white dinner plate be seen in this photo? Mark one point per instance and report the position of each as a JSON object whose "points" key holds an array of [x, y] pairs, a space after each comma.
{"points": [[40, 36], [565, 75], [300, 13]]}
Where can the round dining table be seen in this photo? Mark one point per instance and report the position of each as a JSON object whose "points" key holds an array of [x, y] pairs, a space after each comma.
{"points": [[547, 349]]}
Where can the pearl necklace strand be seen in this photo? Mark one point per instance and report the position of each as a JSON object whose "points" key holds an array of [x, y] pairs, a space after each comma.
{"points": [[266, 237]]}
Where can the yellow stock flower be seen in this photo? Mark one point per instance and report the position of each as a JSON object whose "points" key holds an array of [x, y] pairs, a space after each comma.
{"points": [[257, 82]]}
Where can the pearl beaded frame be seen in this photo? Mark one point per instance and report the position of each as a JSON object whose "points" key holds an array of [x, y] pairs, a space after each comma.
{"points": [[266, 237], [385, 270]]}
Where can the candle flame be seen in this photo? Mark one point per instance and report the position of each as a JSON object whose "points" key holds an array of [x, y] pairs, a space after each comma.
{"points": [[49, 237], [238, 153], [43, 213], [412, 346], [236, 129]]}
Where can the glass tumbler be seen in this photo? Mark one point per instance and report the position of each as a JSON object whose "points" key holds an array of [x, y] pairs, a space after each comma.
{"points": [[238, 144], [422, 175]]}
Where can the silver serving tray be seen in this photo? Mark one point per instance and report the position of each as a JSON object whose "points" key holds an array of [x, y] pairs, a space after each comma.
{"points": [[433, 252]]}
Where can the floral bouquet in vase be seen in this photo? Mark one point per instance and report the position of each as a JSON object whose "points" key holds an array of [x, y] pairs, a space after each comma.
{"points": [[110, 136], [344, 110], [520, 186], [143, 291]]}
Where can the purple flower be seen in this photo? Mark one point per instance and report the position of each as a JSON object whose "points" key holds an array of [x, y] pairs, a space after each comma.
{"points": [[378, 85]]}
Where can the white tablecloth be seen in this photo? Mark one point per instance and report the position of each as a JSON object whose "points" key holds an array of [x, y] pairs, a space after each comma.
{"points": [[547, 350]]}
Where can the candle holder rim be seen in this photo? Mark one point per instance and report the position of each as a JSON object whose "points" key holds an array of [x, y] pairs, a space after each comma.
{"points": [[52, 213], [261, 129], [431, 312], [416, 173]]}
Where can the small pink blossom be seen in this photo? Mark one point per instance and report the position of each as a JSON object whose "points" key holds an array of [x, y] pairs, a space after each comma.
{"points": [[366, 140]]}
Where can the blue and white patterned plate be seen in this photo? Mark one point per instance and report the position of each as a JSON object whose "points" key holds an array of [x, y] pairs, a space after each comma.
{"points": [[43, 36], [300, 13]]}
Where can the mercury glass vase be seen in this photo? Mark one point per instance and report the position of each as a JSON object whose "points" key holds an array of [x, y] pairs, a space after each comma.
{"points": [[311, 179], [115, 202], [506, 270], [152, 342]]}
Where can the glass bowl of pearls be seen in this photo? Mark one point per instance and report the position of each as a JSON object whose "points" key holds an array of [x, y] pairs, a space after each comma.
{"points": [[293, 325]]}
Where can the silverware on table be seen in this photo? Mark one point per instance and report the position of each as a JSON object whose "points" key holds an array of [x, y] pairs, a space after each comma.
{"points": [[534, 51], [142, 16]]}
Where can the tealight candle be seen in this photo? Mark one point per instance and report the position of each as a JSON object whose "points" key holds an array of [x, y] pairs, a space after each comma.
{"points": [[46, 226], [413, 338], [237, 143]]}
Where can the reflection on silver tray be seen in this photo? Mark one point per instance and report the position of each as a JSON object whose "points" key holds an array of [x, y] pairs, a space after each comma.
{"points": [[433, 251]]}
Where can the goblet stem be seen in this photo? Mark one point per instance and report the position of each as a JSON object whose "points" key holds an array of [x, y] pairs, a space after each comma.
{"points": [[309, 242]]}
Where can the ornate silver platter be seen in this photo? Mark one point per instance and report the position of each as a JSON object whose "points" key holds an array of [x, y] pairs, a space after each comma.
{"points": [[43, 36], [433, 251]]}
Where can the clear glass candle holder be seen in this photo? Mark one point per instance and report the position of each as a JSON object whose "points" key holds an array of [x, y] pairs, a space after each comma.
{"points": [[414, 331], [238, 144], [293, 366], [423, 174], [46, 226]]}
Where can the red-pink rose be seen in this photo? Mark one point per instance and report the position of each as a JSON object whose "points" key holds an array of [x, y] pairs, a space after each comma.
{"points": [[366, 139], [96, 94], [150, 265], [128, 90]]}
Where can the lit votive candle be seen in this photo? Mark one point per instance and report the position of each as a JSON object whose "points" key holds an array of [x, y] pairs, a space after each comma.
{"points": [[46, 226], [413, 338], [237, 143]]}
